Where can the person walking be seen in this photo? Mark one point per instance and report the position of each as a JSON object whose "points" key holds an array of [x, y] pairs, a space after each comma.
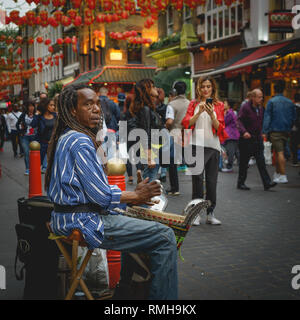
{"points": [[206, 113], [11, 121], [2, 129], [295, 134], [231, 144], [250, 122], [111, 112], [176, 111], [26, 132], [142, 108], [279, 118], [44, 122]]}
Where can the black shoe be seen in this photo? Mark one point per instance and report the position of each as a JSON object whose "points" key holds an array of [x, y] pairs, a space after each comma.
{"points": [[243, 187], [269, 186], [172, 193]]}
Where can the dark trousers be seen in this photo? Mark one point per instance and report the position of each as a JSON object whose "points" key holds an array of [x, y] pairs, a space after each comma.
{"points": [[15, 140], [139, 166], [173, 176], [248, 148], [232, 150], [294, 142], [211, 165]]}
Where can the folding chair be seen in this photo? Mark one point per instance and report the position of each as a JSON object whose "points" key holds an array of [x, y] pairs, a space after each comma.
{"points": [[75, 239]]}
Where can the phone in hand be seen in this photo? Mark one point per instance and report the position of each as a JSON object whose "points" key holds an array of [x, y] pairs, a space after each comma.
{"points": [[209, 101]]}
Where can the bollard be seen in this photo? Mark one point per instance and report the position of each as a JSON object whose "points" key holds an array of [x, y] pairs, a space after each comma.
{"points": [[116, 170], [35, 176]]}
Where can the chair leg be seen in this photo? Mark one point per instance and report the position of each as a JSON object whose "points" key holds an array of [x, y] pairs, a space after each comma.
{"points": [[78, 278], [75, 244]]}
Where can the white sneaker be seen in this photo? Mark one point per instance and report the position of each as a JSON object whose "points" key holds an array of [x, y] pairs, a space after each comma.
{"points": [[276, 176], [281, 179], [197, 220], [227, 170], [212, 220]]}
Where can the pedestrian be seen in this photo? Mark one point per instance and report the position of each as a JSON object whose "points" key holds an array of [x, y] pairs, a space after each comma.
{"points": [[131, 125], [231, 144], [295, 134], [176, 111], [26, 132], [11, 121], [279, 118], [111, 114], [44, 122], [121, 101], [250, 122], [161, 109], [143, 109], [2, 129], [77, 184], [206, 113]]}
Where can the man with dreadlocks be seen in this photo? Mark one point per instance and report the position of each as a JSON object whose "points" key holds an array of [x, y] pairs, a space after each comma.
{"points": [[77, 185]]}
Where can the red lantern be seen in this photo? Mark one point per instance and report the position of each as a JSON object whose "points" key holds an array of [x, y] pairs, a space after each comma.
{"points": [[53, 23], [72, 13], [39, 59], [50, 49], [19, 51], [44, 23], [30, 41], [76, 3], [67, 40], [58, 15], [65, 21], [107, 5], [57, 62], [60, 41], [47, 42], [100, 18], [39, 39], [108, 18], [124, 15], [45, 2], [91, 4], [44, 15], [77, 21], [61, 56]]}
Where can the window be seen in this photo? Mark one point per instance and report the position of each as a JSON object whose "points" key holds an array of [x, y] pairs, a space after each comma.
{"points": [[170, 20], [187, 16], [222, 21]]}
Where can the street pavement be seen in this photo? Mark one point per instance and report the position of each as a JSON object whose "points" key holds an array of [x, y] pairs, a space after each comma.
{"points": [[249, 257]]}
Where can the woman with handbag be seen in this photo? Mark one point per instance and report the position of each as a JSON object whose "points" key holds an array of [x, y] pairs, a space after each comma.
{"points": [[206, 113], [26, 132], [142, 108]]}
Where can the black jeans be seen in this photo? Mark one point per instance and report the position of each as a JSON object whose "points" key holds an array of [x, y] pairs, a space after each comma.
{"points": [[15, 140], [232, 150], [248, 148], [211, 166]]}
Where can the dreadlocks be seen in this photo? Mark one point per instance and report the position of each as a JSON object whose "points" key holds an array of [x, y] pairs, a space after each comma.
{"points": [[68, 100]]}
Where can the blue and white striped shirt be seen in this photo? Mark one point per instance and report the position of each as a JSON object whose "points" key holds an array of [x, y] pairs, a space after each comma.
{"points": [[78, 178]]}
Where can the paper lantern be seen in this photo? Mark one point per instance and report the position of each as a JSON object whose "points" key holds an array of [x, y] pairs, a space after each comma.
{"points": [[19, 51], [76, 3], [67, 40], [60, 41], [50, 49], [77, 21], [53, 22], [47, 42], [58, 15], [65, 21], [39, 39]]}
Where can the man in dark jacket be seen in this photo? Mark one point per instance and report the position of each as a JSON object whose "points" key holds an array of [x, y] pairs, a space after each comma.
{"points": [[295, 134], [250, 121]]}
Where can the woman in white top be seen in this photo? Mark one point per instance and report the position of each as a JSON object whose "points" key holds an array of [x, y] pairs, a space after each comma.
{"points": [[205, 116]]}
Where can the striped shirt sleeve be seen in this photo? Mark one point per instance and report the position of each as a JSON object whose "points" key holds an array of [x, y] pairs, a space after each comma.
{"points": [[90, 173]]}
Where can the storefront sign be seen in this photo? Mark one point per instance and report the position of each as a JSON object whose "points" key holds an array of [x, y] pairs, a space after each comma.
{"points": [[281, 22]]}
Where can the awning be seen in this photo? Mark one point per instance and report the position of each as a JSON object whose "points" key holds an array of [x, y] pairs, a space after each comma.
{"points": [[85, 77], [66, 80], [165, 79], [244, 61], [123, 74]]}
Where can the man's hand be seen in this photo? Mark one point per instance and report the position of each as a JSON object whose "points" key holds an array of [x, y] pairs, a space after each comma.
{"points": [[145, 191], [247, 135]]}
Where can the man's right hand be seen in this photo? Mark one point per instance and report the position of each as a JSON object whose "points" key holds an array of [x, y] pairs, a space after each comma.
{"points": [[247, 135], [145, 191]]}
